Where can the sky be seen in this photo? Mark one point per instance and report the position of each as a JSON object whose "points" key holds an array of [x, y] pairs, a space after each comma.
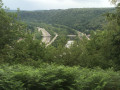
{"points": [[55, 4]]}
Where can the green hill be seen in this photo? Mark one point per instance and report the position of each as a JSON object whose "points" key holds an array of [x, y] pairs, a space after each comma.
{"points": [[83, 19]]}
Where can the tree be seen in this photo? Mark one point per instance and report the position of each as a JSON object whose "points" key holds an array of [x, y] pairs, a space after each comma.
{"points": [[10, 28], [114, 1]]}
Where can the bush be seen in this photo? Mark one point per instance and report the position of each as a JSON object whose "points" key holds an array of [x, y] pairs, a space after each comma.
{"points": [[53, 77]]}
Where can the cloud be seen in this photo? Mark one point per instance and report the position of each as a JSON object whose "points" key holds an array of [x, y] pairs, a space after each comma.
{"points": [[55, 4]]}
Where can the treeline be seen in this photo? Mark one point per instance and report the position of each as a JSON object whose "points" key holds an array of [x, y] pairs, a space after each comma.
{"points": [[84, 20]]}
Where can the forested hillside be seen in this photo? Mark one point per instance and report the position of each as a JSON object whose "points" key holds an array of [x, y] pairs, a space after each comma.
{"points": [[84, 19]]}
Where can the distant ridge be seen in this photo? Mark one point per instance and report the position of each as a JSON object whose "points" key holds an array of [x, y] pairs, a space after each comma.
{"points": [[81, 19]]}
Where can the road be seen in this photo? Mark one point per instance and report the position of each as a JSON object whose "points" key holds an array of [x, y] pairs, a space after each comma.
{"points": [[80, 35], [56, 35], [46, 36]]}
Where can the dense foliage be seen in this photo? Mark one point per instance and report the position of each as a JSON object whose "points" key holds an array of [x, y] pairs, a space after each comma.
{"points": [[53, 77], [83, 20], [27, 64]]}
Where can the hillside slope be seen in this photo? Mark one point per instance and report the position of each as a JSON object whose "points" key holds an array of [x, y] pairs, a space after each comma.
{"points": [[80, 19]]}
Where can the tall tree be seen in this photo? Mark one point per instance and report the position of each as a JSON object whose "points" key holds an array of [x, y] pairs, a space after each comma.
{"points": [[9, 27], [114, 1]]}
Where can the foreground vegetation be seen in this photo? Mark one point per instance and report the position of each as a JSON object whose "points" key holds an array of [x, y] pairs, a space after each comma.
{"points": [[27, 64], [53, 77]]}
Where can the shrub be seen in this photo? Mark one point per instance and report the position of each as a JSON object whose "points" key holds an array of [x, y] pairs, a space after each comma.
{"points": [[54, 77]]}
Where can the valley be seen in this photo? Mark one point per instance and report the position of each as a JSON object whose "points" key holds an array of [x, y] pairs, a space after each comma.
{"points": [[60, 49]]}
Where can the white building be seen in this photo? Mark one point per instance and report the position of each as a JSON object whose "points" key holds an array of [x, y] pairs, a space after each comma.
{"points": [[69, 43]]}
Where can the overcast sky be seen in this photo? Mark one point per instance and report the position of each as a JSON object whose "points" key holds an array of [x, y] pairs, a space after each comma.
{"points": [[54, 4]]}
